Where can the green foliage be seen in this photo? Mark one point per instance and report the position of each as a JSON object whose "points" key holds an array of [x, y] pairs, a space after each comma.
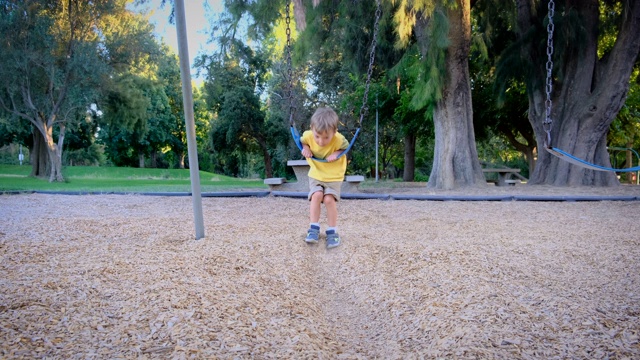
{"points": [[241, 128], [144, 115], [569, 39], [429, 83], [125, 121], [424, 157], [338, 38], [264, 14], [12, 131], [125, 104], [625, 129], [507, 51], [203, 119], [406, 15], [424, 60], [496, 151], [93, 155]]}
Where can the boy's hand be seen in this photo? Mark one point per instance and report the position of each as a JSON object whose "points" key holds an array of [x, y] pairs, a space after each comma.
{"points": [[306, 152], [333, 157]]}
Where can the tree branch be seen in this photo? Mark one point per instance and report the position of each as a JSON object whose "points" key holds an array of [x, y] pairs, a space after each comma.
{"points": [[12, 110], [626, 48]]}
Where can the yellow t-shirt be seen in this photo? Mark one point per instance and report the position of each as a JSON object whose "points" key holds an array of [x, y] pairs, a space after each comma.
{"points": [[326, 171]]}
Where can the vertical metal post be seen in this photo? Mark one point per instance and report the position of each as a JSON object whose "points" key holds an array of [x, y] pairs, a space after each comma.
{"points": [[187, 99], [376, 137]]}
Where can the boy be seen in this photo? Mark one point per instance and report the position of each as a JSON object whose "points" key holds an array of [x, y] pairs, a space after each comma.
{"points": [[324, 141]]}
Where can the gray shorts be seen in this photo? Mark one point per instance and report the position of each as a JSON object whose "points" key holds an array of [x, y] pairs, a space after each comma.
{"points": [[332, 187]]}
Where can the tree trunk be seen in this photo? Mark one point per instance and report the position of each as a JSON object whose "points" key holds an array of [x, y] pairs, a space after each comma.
{"points": [[55, 158], [268, 166], [586, 98], [47, 159], [141, 160], [299, 14], [56, 165], [39, 155], [409, 173], [527, 149], [456, 161], [181, 156], [154, 159]]}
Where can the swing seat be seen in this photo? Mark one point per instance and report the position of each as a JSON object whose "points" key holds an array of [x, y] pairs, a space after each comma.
{"points": [[296, 138], [585, 164]]}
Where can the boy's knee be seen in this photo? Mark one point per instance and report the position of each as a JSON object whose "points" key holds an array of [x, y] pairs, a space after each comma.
{"points": [[318, 195], [328, 198]]}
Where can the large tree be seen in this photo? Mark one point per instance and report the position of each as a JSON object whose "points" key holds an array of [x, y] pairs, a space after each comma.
{"points": [[442, 31], [48, 55], [589, 86], [56, 56]]}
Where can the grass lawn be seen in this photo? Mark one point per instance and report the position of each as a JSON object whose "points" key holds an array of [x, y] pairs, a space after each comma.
{"points": [[120, 179]]}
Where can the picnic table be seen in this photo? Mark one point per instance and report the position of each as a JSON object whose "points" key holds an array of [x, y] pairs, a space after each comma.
{"points": [[504, 175], [301, 169]]}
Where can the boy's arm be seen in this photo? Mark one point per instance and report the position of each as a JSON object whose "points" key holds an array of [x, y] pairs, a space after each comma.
{"points": [[344, 144], [334, 156], [306, 151]]}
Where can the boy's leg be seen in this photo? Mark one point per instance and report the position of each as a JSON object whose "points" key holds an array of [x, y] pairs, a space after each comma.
{"points": [[313, 234], [330, 203], [332, 210], [314, 206], [316, 192]]}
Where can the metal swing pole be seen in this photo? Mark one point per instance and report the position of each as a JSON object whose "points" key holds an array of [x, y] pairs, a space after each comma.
{"points": [[187, 99]]}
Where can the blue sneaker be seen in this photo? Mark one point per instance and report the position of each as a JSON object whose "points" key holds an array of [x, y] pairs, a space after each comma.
{"points": [[333, 239], [312, 235]]}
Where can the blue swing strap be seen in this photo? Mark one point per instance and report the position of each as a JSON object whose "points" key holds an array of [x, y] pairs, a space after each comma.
{"points": [[585, 164], [296, 138]]}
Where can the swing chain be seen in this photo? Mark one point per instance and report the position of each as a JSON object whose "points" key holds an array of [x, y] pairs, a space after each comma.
{"points": [[546, 125], [289, 89], [372, 56]]}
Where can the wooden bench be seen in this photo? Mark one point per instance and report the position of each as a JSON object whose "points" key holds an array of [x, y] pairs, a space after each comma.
{"points": [[274, 181], [504, 175]]}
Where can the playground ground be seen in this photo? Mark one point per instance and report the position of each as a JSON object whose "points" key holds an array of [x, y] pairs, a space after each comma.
{"points": [[121, 276]]}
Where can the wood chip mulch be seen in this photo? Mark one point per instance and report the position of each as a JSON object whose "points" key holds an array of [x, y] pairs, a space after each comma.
{"points": [[121, 276]]}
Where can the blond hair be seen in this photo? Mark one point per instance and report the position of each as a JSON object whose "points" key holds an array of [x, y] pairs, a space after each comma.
{"points": [[324, 119]]}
